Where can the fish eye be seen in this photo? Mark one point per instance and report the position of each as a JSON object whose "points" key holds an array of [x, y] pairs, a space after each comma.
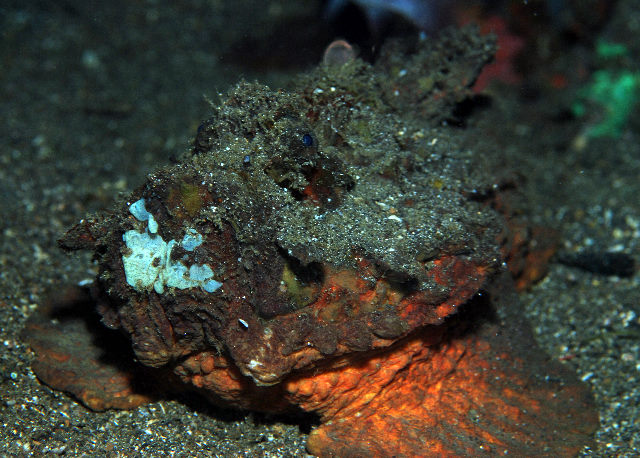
{"points": [[307, 140]]}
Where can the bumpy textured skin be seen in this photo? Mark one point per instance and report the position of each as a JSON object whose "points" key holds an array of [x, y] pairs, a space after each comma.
{"points": [[343, 234], [474, 393]]}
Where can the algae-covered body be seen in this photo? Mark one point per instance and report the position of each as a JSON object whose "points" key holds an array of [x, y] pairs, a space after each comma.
{"points": [[303, 202], [309, 247]]}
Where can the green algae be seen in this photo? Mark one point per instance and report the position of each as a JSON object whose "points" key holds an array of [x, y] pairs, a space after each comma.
{"points": [[612, 92]]}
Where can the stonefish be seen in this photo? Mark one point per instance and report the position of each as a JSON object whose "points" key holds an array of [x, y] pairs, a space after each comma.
{"points": [[328, 248]]}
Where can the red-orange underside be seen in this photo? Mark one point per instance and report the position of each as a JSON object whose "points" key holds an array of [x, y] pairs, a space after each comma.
{"points": [[475, 386], [462, 397]]}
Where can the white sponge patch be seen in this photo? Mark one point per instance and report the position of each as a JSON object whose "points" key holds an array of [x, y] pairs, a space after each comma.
{"points": [[148, 263]]}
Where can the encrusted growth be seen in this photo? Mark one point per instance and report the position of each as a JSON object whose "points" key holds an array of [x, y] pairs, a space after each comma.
{"points": [[316, 237]]}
